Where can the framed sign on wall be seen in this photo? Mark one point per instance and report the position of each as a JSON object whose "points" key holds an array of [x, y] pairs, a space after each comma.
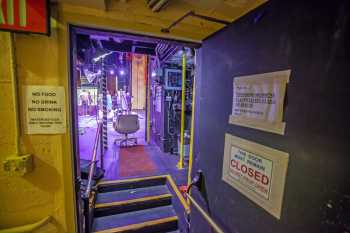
{"points": [[29, 16], [44, 110], [257, 171]]}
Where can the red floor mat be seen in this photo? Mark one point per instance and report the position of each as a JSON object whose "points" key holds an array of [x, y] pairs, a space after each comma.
{"points": [[135, 161]]}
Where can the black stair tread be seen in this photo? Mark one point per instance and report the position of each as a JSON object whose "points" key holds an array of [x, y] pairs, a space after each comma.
{"points": [[118, 185], [129, 194], [130, 218]]}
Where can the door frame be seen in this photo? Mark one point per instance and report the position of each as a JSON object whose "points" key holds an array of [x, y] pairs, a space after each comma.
{"points": [[74, 129], [73, 30]]}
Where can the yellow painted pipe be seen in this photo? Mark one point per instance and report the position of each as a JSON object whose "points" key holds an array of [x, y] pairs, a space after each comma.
{"points": [[190, 161], [182, 131], [14, 88], [178, 193], [27, 228], [159, 5]]}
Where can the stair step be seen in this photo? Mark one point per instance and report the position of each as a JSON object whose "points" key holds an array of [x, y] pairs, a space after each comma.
{"points": [[132, 205], [110, 186], [159, 219], [116, 202], [129, 194]]}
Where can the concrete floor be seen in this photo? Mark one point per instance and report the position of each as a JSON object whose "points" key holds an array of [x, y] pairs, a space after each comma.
{"points": [[165, 163]]}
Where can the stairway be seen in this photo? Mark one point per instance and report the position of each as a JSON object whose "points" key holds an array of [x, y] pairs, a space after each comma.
{"points": [[142, 205]]}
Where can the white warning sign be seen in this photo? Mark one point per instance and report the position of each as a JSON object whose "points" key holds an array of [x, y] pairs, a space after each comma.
{"points": [[257, 171], [45, 110], [251, 170], [258, 101]]}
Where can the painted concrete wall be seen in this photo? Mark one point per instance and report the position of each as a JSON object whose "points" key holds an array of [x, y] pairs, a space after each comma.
{"points": [[310, 38], [46, 190]]}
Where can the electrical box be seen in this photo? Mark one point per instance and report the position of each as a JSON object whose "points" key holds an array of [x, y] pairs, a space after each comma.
{"points": [[173, 79], [18, 165]]}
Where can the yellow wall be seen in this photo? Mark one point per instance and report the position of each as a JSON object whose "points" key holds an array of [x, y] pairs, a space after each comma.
{"points": [[42, 60], [42, 192]]}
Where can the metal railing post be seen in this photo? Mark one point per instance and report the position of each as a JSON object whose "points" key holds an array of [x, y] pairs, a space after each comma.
{"points": [[196, 181], [206, 216], [86, 214], [86, 196]]}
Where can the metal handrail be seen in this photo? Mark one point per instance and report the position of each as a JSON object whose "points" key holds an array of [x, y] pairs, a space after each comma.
{"points": [[196, 180], [87, 194], [93, 161], [205, 215]]}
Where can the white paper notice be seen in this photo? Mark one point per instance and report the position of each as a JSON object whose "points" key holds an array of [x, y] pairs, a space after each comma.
{"points": [[258, 101], [45, 110], [257, 171]]}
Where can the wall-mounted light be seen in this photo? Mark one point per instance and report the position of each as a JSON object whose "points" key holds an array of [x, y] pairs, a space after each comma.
{"points": [[121, 72], [111, 72], [180, 52], [153, 74]]}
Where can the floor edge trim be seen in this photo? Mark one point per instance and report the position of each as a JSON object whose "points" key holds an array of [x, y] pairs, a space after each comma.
{"points": [[132, 201], [139, 225]]}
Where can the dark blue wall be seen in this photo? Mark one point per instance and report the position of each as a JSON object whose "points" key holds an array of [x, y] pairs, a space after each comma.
{"points": [[312, 39]]}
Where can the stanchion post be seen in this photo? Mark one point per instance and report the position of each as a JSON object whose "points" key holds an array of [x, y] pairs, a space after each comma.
{"points": [[183, 106]]}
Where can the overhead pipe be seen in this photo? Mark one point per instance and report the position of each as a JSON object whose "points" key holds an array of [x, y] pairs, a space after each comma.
{"points": [[159, 5], [193, 14], [151, 3]]}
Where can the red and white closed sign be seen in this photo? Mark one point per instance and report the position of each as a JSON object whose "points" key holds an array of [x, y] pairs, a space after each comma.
{"points": [[257, 171], [24, 16], [251, 170]]}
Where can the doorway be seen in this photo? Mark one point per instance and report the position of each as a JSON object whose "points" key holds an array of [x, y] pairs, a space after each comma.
{"points": [[115, 75]]}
